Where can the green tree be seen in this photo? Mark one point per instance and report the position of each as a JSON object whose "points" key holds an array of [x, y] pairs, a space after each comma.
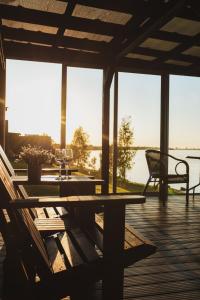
{"points": [[79, 146], [125, 141]]}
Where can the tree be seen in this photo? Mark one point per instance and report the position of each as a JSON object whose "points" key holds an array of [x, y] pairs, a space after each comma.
{"points": [[125, 141], [79, 146]]}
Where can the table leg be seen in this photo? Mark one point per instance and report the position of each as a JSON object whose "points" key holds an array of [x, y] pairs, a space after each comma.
{"points": [[113, 245]]}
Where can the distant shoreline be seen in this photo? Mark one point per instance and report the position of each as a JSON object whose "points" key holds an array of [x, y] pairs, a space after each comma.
{"points": [[143, 148]]}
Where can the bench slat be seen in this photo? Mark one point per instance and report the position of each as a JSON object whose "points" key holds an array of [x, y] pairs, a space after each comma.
{"points": [[85, 245], [72, 255], [55, 257]]}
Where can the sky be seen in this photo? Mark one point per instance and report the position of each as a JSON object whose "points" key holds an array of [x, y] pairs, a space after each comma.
{"points": [[33, 95]]}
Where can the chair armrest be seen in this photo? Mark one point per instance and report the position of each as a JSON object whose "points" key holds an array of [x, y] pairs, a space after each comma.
{"points": [[78, 201], [179, 161]]}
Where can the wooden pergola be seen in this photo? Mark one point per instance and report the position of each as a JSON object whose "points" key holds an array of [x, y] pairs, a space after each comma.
{"points": [[142, 36]]}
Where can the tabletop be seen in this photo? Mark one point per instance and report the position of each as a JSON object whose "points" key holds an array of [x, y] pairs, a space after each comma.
{"points": [[52, 179], [51, 170]]}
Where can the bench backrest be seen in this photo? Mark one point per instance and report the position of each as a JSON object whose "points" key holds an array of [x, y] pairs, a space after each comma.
{"points": [[27, 230]]}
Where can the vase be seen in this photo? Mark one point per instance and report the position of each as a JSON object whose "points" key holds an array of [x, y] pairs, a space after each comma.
{"points": [[34, 172]]}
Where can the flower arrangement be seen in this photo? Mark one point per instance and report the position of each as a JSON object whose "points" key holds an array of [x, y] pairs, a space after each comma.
{"points": [[35, 155]]}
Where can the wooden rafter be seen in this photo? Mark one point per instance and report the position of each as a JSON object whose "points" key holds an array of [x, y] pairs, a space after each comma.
{"points": [[15, 50], [124, 6], [30, 52], [180, 48], [146, 67], [160, 54], [127, 6], [53, 20], [191, 11], [173, 37], [134, 22], [65, 20], [153, 24], [49, 39]]}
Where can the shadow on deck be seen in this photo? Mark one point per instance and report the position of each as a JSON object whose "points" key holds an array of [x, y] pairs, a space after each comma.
{"points": [[174, 271]]}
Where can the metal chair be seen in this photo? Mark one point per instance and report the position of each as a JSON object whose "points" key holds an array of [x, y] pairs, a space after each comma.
{"points": [[158, 170]]}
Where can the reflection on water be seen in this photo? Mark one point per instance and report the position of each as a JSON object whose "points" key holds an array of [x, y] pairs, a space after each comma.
{"points": [[139, 173]]}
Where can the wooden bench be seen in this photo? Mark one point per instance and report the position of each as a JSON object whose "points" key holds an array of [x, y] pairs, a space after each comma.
{"points": [[70, 250]]}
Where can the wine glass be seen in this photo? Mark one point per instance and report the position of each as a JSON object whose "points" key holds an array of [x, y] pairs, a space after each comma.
{"points": [[68, 158], [60, 156]]}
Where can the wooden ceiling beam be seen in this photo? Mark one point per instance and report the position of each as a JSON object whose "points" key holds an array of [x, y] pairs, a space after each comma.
{"points": [[20, 51], [160, 54], [141, 12], [14, 50], [190, 11], [65, 20], [133, 65], [179, 49], [31, 16], [49, 39], [125, 6], [172, 37], [160, 18]]}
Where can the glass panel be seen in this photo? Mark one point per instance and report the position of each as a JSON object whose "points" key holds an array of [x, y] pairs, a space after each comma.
{"points": [[184, 125], [33, 99], [138, 128], [84, 118]]}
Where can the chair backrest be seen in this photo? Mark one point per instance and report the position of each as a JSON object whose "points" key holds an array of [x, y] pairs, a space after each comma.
{"points": [[6, 162], [155, 162], [28, 233], [11, 171]]}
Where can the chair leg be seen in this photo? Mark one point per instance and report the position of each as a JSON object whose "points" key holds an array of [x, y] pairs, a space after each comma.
{"points": [[146, 186], [187, 193]]}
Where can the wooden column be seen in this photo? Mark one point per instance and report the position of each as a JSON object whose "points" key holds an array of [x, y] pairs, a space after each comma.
{"points": [[2, 105], [164, 130], [63, 107], [107, 79], [115, 133]]}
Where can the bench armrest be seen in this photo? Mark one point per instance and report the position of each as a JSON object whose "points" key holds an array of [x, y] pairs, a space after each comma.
{"points": [[78, 201]]}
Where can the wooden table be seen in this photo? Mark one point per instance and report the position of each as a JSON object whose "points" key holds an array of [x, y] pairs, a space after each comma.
{"points": [[76, 185]]}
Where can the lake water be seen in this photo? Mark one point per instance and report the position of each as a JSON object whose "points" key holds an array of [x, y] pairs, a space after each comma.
{"points": [[139, 173]]}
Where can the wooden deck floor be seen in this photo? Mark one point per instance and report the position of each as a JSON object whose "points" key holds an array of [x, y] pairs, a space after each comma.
{"points": [[174, 271]]}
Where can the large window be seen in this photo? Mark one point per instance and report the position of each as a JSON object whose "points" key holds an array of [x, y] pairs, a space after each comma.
{"points": [[33, 92], [84, 110], [184, 125], [139, 104]]}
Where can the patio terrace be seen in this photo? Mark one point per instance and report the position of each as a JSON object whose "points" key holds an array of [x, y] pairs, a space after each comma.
{"points": [[149, 37], [174, 271]]}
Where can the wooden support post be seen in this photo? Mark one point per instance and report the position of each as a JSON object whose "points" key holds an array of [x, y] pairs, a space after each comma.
{"points": [[113, 247], [2, 105], [164, 132], [63, 107], [115, 133], [107, 79]]}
